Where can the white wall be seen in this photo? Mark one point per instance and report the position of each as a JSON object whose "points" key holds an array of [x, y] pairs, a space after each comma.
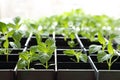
{"points": [[38, 8]]}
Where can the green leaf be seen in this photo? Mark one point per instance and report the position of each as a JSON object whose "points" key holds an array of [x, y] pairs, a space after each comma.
{"points": [[49, 42], [44, 57], [24, 55], [118, 47], [117, 39], [10, 33], [51, 49], [106, 57], [38, 38], [11, 25], [110, 48], [13, 45], [48, 47], [94, 48], [18, 44], [2, 51], [17, 35], [101, 39], [83, 57], [72, 35], [21, 64], [3, 27], [16, 20], [33, 26], [6, 44], [65, 33], [112, 36], [42, 47], [34, 57], [69, 52], [34, 49], [71, 44], [100, 56]]}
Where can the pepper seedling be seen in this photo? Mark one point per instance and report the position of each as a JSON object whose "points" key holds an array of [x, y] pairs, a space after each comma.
{"points": [[69, 33], [110, 56], [41, 52], [4, 39], [78, 55]]}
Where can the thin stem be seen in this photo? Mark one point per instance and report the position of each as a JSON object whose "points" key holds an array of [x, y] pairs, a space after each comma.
{"points": [[73, 59], [103, 47], [7, 58], [109, 66], [46, 65], [7, 54], [6, 48], [109, 63], [77, 57], [114, 60], [28, 65]]}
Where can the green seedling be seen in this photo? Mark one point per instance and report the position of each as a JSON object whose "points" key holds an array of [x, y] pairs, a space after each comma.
{"points": [[78, 55], [102, 55], [41, 52]]}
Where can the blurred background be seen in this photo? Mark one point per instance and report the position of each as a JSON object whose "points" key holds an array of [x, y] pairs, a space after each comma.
{"points": [[37, 8]]}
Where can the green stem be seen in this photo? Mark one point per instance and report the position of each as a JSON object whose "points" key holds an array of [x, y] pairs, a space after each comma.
{"points": [[6, 48], [115, 60], [73, 60], [46, 65], [110, 63], [28, 65], [109, 66], [7, 55], [77, 57], [103, 47]]}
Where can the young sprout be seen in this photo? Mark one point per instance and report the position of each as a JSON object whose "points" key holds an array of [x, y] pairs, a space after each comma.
{"points": [[41, 52], [110, 56], [78, 55]]}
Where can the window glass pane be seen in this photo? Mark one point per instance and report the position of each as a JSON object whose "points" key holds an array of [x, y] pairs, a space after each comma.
{"points": [[38, 8]]}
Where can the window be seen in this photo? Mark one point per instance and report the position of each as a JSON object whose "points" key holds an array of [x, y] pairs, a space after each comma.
{"points": [[38, 8]]}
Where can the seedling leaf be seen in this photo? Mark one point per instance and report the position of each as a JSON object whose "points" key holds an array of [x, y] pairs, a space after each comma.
{"points": [[69, 52], [94, 48], [110, 48], [101, 39]]}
